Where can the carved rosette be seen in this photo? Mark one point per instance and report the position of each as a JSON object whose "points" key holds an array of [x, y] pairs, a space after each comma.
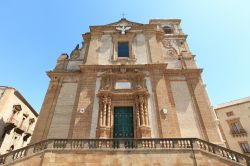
{"points": [[171, 51]]}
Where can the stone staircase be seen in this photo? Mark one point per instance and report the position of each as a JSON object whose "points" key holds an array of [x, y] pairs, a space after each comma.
{"points": [[153, 144]]}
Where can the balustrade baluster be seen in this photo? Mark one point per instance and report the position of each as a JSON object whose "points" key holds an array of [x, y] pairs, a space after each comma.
{"points": [[61, 144]]}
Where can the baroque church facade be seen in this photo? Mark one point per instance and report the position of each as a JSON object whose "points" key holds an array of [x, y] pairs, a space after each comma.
{"points": [[131, 95], [147, 70]]}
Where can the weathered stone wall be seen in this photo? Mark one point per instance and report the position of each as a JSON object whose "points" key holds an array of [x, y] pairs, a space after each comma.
{"points": [[187, 116], [81, 122], [105, 50], [167, 123], [60, 124], [204, 109], [47, 110], [237, 110], [139, 48]]}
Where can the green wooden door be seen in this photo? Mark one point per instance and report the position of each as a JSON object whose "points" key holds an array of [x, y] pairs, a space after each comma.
{"points": [[123, 122]]}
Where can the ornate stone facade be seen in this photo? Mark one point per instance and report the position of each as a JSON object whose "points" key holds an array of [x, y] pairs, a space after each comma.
{"points": [[17, 122], [153, 99]]}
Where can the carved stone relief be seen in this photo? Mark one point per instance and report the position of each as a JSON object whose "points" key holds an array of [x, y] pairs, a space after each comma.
{"points": [[75, 54], [170, 50], [109, 96]]}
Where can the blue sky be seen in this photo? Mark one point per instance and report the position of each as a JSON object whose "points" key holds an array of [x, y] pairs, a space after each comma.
{"points": [[33, 33]]}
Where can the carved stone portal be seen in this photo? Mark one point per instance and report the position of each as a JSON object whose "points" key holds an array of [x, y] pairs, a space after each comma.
{"points": [[109, 97]]}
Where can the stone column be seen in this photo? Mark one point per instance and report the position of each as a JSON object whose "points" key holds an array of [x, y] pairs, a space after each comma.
{"points": [[137, 108], [100, 111], [104, 128], [141, 103], [105, 101], [142, 120], [109, 112], [146, 111]]}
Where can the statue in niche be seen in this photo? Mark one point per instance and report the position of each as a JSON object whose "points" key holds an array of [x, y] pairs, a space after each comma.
{"points": [[75, 54]]}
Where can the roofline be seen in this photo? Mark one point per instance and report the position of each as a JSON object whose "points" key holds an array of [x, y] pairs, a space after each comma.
{"points": [[7, 87], [167, 20], [232, 103], [20, 96]]}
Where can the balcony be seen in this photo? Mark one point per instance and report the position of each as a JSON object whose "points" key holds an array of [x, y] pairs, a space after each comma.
{"points": [[12, 121], [163, 145], [239, 133]]}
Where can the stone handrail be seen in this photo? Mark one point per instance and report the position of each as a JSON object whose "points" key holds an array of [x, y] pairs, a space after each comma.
{"points": [[126, 144]]}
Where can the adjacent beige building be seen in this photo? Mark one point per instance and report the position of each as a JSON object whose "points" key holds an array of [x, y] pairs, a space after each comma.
{"points": [[234, 120], [17, 120], [131, 95]]}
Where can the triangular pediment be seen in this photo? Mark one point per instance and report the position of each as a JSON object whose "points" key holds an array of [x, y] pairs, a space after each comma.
{"points": [[123, 22]]}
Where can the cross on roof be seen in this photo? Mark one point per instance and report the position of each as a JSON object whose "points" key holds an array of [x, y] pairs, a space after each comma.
{"points": [[123, 15]]}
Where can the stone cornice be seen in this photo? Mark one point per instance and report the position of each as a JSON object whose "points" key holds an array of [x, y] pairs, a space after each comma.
{"points": [[232, 103], [86, 37], [190, 73], [155, 21], [161, 35], [134, 27], [140, 67], [145, 67], [52, 74]]}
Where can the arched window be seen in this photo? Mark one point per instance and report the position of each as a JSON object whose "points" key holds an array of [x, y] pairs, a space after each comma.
{"points": [[168, 30]]}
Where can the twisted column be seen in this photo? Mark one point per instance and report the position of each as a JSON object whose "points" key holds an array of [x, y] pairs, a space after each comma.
{"points": [[105, 111], [100, 112], [141, 103], [146, 111], [109, 112], [105, 101], [137, 108]]}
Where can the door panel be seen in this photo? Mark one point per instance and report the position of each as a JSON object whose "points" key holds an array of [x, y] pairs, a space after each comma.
{"points": [[123, 122]]}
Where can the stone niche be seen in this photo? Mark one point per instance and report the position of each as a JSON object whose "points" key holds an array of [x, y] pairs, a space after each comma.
{"points": [[123, 87]]}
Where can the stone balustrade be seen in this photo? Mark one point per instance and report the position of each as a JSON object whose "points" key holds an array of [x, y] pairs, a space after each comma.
{"points": [[192, 144]]}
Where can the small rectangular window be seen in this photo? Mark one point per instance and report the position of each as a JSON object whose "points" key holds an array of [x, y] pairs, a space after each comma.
{"points": [[245, 147], [123, 85], [123, 49], [230, 113]]}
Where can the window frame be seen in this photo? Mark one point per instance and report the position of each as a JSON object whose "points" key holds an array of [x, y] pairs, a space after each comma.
{"points": [[168, 30], [122, 87], [116, 38], [119, 50], [236, 127], [245, 148]]}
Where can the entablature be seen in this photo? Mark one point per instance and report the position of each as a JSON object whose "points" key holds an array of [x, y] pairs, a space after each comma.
{"points": [[188, 73], [142, 67]]}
